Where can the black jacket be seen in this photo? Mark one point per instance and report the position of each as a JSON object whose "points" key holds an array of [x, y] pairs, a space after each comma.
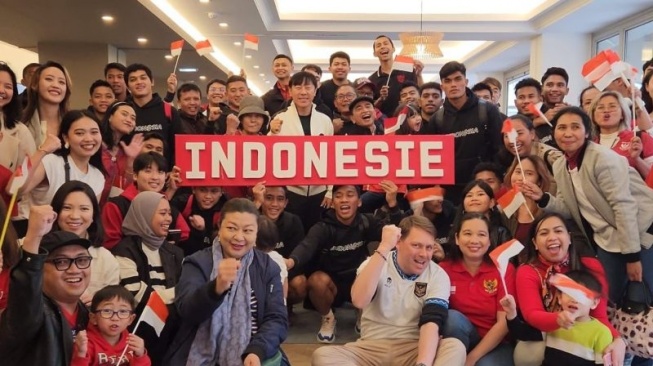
{"points": [[33, 331], [291, 233], [339, 249], [152, 118], [273, 100], [356, 130], [187, 205], [219, 126]]}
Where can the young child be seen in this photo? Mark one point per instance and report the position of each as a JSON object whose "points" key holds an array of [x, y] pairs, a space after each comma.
{"points": [[266, 239], [105, 339], [581, 343]]}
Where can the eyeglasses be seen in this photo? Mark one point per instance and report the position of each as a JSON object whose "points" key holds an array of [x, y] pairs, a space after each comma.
{"points": [[217, 90], [108, 313], [63, 264], [345, 96], [608, 108]]}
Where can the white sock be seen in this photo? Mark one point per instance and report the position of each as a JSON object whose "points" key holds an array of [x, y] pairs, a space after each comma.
{"points": [[329, 315]]}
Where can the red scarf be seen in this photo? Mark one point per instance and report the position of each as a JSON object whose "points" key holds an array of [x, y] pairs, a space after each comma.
{"points": [[549, 292]]}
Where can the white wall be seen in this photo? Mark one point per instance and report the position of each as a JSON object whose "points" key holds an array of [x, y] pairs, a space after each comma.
{"points": [[17, 58]]}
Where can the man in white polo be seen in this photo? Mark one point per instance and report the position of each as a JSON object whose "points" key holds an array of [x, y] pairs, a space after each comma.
{"points": [[404, 297]]}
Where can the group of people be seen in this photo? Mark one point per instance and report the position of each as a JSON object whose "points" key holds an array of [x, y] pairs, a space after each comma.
{"points": [[105, 227]]}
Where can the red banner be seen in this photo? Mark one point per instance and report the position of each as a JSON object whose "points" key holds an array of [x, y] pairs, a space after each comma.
{"points": [[212, 160]]}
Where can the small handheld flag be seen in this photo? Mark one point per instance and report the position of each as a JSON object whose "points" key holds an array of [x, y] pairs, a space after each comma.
{"points": [[392, 125], [602, 69], [204, 47], [536, 110], [155, 314], [176, 47], [510, 201], [574, 289], [510, 132], [501, 257], [251, 42], [19, 179], [403, 63], [418, 196]]}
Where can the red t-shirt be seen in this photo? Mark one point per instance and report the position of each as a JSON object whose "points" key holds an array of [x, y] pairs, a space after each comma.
{"points": [[478, 296], [71, 318], [4, 287]]}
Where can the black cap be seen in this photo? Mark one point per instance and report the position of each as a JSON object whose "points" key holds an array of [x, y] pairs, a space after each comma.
{"points": [[57, 239], [359, 100]]}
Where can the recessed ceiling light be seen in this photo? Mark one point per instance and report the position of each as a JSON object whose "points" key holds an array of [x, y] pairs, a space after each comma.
{"points": [[202, 77], [205, 1], [107, 18], [261, 74], [142, 40], [256, 66], [168, 57], [248, 56], [223, 25], [237, 43], [187, 69]]}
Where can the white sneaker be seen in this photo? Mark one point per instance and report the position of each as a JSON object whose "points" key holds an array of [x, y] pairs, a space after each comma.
{"points": [[327, 333]]}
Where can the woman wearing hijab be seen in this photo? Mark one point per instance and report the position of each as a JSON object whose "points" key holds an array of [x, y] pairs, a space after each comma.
{"points": [[230, 299]]}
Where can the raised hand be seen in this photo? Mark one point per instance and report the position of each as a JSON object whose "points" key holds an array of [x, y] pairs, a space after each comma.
{"points": [[227, 273]]}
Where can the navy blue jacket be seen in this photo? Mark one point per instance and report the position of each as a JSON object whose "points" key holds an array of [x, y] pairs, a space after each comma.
{"points": [[196, 301]]}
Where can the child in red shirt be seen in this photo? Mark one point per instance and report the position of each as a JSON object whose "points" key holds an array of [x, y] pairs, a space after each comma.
{"points": [[112, 311]]}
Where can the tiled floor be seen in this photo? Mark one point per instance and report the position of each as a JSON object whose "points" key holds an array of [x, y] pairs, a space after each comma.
{"points": [[302, 341]]}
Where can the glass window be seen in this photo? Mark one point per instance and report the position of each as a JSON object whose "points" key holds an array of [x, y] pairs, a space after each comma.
{"points": [[611, 43], [510, 94], [639, 46]]}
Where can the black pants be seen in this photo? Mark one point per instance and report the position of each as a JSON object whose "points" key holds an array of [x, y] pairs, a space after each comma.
{"points": [[306, 207]]}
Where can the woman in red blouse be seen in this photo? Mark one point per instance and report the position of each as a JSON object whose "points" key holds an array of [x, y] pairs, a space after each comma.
{"points": [[476, 317], [551, 251]]}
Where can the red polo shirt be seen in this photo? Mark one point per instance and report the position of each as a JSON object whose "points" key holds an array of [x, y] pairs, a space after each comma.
{"points": [[478, 296]]}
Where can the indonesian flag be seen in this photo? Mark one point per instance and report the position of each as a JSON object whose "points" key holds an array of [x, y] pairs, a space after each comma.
{"points": [[176, 47], [574, 289], [536, 111], [204, 47], [501, 257], [251, 42], [404, 63], [602, 69], [20, 176], [510, 201], [155, 313], [423, 195], [392, 124], [510, 132]]}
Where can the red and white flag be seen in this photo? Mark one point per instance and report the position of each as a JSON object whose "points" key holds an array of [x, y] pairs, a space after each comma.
{"points": [[574, 289], [423, 195], [392, 124], [510, 201], [20, 176], [204, 47], [510, 132], [536, 111], [600, 69], [404, 63], [501, 257], [251, 42], [176, 47], [155, 313]]}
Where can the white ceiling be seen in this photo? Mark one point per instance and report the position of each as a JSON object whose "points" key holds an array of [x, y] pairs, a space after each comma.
{"points": [[490, 35]]}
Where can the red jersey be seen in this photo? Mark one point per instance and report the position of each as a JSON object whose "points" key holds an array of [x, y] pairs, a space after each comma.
{"points": [[101, 353], [478, 296]]}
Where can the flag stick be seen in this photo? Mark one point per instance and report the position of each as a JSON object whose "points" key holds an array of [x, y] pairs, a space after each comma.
{"points": [[127, 346], [176, 63], [387, 82], [503, 282], [634, 106], [5, 225], [523, 177]]}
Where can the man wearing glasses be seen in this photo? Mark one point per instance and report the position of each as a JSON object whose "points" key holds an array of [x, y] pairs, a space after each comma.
{"points": [[43, 312]]}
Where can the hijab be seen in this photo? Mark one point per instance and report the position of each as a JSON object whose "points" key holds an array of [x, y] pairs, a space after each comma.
{"points": [[138, 220]]}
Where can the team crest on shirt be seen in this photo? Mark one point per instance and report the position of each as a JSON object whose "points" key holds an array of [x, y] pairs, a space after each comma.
{"points": [[420, 289], [624, 146], [490, 286], [401, 78]]}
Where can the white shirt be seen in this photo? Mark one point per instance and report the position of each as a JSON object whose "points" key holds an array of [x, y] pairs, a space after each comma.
{"points": [[56, 176]]}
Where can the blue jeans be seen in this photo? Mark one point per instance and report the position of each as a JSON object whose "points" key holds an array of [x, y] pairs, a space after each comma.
{"points": [[614, 265], [459, 327]]}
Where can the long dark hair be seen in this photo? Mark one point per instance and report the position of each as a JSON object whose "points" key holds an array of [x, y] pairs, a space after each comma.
{"points": [[33, 91], [11, 111], [95, 231], [531, 253], [455, 254], [66, 123], [105, 125]]}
